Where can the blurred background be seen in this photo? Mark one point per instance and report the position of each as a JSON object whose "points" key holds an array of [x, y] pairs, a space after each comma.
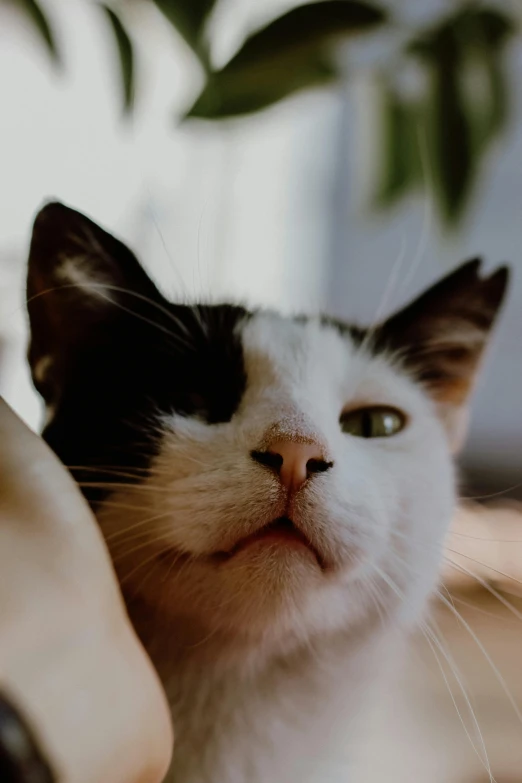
{"points": [[335, 156]]}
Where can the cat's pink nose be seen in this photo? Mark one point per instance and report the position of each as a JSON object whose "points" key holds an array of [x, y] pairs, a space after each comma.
{"points": [[293, 462]]}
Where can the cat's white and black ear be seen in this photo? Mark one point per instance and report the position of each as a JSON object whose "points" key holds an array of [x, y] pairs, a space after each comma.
{"points": [[80, 280], [441, 338]]}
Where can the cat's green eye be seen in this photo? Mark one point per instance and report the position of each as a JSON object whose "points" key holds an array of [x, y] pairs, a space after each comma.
{"points": [[376, 422]]}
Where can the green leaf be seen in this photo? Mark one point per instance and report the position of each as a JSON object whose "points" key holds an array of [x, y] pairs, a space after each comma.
{"points": [[224, 97], [189, 18], [307, 27], [126, 57], [488, 104], [449, 134], [494, 27], [499, 108], [41, 24], [487, 96], [467, 26], [401, 165], [287, 55], [462, 114]]}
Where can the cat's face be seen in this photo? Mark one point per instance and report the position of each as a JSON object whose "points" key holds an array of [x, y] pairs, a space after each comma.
{"points": [[260, 478]]}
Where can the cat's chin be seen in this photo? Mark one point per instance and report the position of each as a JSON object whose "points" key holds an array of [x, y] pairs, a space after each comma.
{"points": [[278, 538], [267, 595], [259, 589]]}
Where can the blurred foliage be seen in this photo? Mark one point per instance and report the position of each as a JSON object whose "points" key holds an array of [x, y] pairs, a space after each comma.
{"points": [[189, 18], [464, 105], [125, 54], [289, 54], [436, 138], [38, 18]]}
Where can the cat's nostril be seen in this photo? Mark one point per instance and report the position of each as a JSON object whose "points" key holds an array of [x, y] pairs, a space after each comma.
{"points": [[318, 466], [268, 458], [293, 461]]}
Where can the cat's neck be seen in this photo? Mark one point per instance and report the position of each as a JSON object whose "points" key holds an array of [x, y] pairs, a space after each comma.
{"points": [[292, 716]]}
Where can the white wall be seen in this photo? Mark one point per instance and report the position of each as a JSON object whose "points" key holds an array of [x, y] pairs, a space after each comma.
{"points": [[215, 210]]}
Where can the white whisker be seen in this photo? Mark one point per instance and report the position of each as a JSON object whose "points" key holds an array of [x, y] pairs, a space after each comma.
{"points": [[456, 673]]}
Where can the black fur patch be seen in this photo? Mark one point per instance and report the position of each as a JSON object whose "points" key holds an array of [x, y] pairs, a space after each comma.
{"points": [[114, 364], [126, 376]]}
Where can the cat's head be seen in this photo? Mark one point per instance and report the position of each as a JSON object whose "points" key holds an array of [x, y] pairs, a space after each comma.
{"points": [[257, 477]]}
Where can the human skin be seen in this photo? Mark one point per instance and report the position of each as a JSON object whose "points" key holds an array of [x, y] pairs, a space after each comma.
{"points": [[69, 658]]}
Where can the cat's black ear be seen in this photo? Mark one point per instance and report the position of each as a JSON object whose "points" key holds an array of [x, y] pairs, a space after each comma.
{"points": [[80, 279], [441, 337]]}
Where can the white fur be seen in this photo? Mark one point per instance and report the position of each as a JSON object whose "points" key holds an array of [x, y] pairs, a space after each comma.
{"points": [[267, 659], [77, 272]]}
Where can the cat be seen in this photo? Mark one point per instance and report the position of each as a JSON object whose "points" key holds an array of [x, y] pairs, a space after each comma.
{"points": [[274, 491]]}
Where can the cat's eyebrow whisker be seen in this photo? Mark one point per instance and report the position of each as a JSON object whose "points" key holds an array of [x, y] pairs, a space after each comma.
{"points": [[388, 291], [428, 212], [432, 639], [168, 254], [111, 301], [99, 287], [427, 220]]}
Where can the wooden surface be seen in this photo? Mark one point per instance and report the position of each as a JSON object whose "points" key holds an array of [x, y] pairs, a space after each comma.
{"points": [[476, 653]]}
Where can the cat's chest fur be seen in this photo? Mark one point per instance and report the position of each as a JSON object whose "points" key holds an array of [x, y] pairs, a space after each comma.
{"points": [[294, 720]]}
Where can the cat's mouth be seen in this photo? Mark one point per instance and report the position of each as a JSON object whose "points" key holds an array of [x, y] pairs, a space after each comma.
{"points": [[282, 531]]}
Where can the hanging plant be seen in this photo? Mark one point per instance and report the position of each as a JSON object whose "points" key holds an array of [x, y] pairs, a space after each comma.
{"points": [[463, 109]]}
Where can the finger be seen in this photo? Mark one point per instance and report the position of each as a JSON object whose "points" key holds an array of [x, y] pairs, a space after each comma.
{"points": [[41, 505], [32, 481]]}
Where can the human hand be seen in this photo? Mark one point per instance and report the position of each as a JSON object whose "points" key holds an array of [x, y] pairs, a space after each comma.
{"points": [[68, 655]]}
